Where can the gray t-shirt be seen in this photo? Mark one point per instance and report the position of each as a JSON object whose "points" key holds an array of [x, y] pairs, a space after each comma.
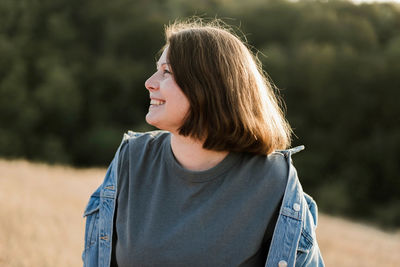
{"points": [[167, 215]]}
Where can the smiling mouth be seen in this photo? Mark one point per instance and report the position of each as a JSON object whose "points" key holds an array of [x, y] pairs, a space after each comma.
{"points": [[156, 103]]}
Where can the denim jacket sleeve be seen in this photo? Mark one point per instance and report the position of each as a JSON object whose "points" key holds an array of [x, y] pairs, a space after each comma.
{"points": [[294, 241], [98, 229], [99, 214], [309, 255]]}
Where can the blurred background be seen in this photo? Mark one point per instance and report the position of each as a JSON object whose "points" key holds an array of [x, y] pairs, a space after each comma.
{"points": [[72, 78]]}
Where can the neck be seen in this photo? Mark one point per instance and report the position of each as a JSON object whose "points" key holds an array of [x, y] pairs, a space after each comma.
{"points": [[191, 154]]}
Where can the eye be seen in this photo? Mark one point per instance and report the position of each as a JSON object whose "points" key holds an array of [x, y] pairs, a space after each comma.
{"points": [[166, 71]]}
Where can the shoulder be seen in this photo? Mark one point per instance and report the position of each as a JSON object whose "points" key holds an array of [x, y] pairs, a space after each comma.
{"points": [[137, 143], [273, 165], [132, 136], [143, 139], [280, 159], [277, 168]]}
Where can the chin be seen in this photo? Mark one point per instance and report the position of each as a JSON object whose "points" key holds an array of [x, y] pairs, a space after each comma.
{"points": [[152, 123]]}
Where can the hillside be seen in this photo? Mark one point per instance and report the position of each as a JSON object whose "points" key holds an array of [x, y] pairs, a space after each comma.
{"points": [[41, 221]]}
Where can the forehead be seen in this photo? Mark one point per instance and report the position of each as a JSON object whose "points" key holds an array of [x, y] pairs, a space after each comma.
{"points": [[163, 58]]}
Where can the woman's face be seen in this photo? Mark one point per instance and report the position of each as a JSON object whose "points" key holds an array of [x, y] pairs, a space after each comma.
{"points": [[168, 104]]}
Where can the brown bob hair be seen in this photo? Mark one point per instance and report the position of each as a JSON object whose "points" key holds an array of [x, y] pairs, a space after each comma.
{"points": [[233, 106]]}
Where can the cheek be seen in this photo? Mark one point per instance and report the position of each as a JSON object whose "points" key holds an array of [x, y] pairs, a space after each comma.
{"points": [[183, 103], [177, 97], [183, 108], [186, 105]]}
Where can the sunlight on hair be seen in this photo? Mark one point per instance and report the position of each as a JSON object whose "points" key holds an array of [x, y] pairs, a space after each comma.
{"points": [[225, 84]]}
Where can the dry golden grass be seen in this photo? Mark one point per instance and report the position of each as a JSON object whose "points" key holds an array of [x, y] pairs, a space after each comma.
{"points": [[345, 243], [41, 211], [41, 221]]}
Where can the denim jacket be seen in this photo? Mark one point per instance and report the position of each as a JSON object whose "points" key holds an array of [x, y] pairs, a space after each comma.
{"points": [[293, 244]]}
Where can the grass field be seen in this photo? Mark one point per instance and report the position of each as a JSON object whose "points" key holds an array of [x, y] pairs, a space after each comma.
{"points": [[41, 221]]}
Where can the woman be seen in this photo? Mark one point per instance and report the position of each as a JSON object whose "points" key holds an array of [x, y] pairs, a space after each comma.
{"points": [[215, 187]]}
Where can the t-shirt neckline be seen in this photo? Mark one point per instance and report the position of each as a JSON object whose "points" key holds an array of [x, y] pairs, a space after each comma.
{"points": [[198, 176]]}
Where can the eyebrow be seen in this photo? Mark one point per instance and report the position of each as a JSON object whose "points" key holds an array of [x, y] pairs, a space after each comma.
{"points": [[158, 65]]}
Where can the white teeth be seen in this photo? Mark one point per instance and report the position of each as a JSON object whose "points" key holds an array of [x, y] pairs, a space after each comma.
{"points": [[156, 102]]}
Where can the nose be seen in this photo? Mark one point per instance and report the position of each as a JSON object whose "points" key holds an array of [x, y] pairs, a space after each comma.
{"points": [[151, 83]]}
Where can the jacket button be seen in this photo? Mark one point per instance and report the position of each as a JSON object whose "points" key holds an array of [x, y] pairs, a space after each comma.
{"points": [[296, 206], [282, 263]]}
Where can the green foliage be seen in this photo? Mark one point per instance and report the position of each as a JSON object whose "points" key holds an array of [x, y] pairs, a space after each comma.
{"points": [[72, 81]]}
